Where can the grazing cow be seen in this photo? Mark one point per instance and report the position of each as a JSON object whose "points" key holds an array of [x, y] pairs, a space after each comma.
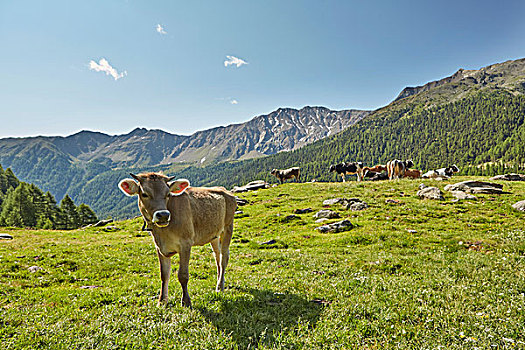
{"points": [[396, 168], [286, 174], [442, 172], [349, 168], [180, 217], [413, 173]]}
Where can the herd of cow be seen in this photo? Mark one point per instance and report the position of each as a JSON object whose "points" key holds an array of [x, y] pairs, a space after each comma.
{"points": [[394, 169], [179, 216]]}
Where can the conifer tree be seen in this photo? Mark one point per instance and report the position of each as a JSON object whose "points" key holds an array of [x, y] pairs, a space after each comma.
{"points": [[12, 180], [69, 210], [86, 214], [18, 209]]}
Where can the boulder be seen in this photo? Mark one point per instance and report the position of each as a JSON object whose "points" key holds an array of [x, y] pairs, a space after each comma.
{"points": [[430, 193], [519, 205], [467, 186], [103, 223], [291, 217], [303, 211], [463, 195], [318, 221], [34, 269], [329, 214], [5, 236], [339, 226], [358, 206], [509, 177], [332, 201], [241, 201], [251, 186]]}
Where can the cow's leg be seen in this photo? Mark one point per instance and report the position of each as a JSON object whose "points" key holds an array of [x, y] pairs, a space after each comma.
{"points": [[343, 176], [215, 244], [165, 271], [184, 275], [226, 238]]}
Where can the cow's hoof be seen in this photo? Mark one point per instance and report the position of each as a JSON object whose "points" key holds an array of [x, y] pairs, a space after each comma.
{"points": [[162, 303], [186, 303]]}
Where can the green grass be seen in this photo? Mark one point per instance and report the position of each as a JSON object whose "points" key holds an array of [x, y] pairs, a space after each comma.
{"points": [[399, 279]]}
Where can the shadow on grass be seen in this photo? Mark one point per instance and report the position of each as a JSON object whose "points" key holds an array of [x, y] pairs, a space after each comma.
{"points": [[263, 317]]}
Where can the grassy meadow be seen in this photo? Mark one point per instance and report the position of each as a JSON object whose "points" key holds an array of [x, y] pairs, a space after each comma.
{"points": [[413, 274]]}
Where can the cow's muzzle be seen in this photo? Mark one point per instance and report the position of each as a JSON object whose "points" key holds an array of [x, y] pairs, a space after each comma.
{"points": [[161, 218]]}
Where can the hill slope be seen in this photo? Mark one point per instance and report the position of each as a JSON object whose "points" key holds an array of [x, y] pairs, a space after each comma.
{"points": [[59, 164]]}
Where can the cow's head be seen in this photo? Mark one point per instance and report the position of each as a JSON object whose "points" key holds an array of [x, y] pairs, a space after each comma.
{"points": [[332, 168], [153, 191], [454, 168], [409, 163], [273, 172]]}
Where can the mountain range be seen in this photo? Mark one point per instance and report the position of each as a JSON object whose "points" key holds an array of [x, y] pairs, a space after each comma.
{"points": [[473, 116]]}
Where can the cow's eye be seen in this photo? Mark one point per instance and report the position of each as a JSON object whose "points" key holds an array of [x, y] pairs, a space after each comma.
{"points": [[145, 195]]}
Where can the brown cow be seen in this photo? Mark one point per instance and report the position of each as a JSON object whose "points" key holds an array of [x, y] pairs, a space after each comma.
{"points": [[377, 168], [180, 217], [396, 168], [413, 173], [286, 174]]}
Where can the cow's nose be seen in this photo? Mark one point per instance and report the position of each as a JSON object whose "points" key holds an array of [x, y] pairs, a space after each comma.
{"points": [[161, 218]]}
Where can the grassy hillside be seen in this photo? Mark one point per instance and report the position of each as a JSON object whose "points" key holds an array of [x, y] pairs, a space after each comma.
{"points": [[417, 274]]}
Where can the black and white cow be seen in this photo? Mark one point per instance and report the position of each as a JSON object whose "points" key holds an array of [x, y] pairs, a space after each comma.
{"points": [[349, 168], [441, 172]]}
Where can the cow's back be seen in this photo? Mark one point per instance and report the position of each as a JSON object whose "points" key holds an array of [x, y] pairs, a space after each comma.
{"points": [[208, 210]]}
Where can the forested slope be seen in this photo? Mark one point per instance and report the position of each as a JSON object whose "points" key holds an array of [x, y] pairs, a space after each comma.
{"points": [[485, 127]]}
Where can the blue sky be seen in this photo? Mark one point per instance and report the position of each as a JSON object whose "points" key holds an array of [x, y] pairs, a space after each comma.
{"points": [[338, 54]]}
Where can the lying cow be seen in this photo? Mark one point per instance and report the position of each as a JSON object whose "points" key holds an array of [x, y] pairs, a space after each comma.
{"points": [[349, 168], [413, 173], [286, 174], [396, 168], [180, 217], [376, 176], [442, 172]]}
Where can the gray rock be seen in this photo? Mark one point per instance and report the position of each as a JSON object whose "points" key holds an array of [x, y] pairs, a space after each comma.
{"points": [[486, 190], [509, 177], [5, 236], [332, 201], [291, 217], [34, 268], [103, 223], [270, 242], [358, 206], [303, 211], [241, 201], [339, 226], [466, 186], [318, 221], [519, 205], [422, 186], [463, 195], [251, 186], [239, 212], [329, 214], [430, 193]]}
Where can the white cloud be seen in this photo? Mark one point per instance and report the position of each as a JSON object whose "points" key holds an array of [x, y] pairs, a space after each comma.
{"points": [[160, 29], [234, 102], [104, 66], [234, 61]]}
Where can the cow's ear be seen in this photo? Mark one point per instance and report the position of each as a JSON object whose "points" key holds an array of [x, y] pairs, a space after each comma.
{"points": [[129, 186], [178, 187]]}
